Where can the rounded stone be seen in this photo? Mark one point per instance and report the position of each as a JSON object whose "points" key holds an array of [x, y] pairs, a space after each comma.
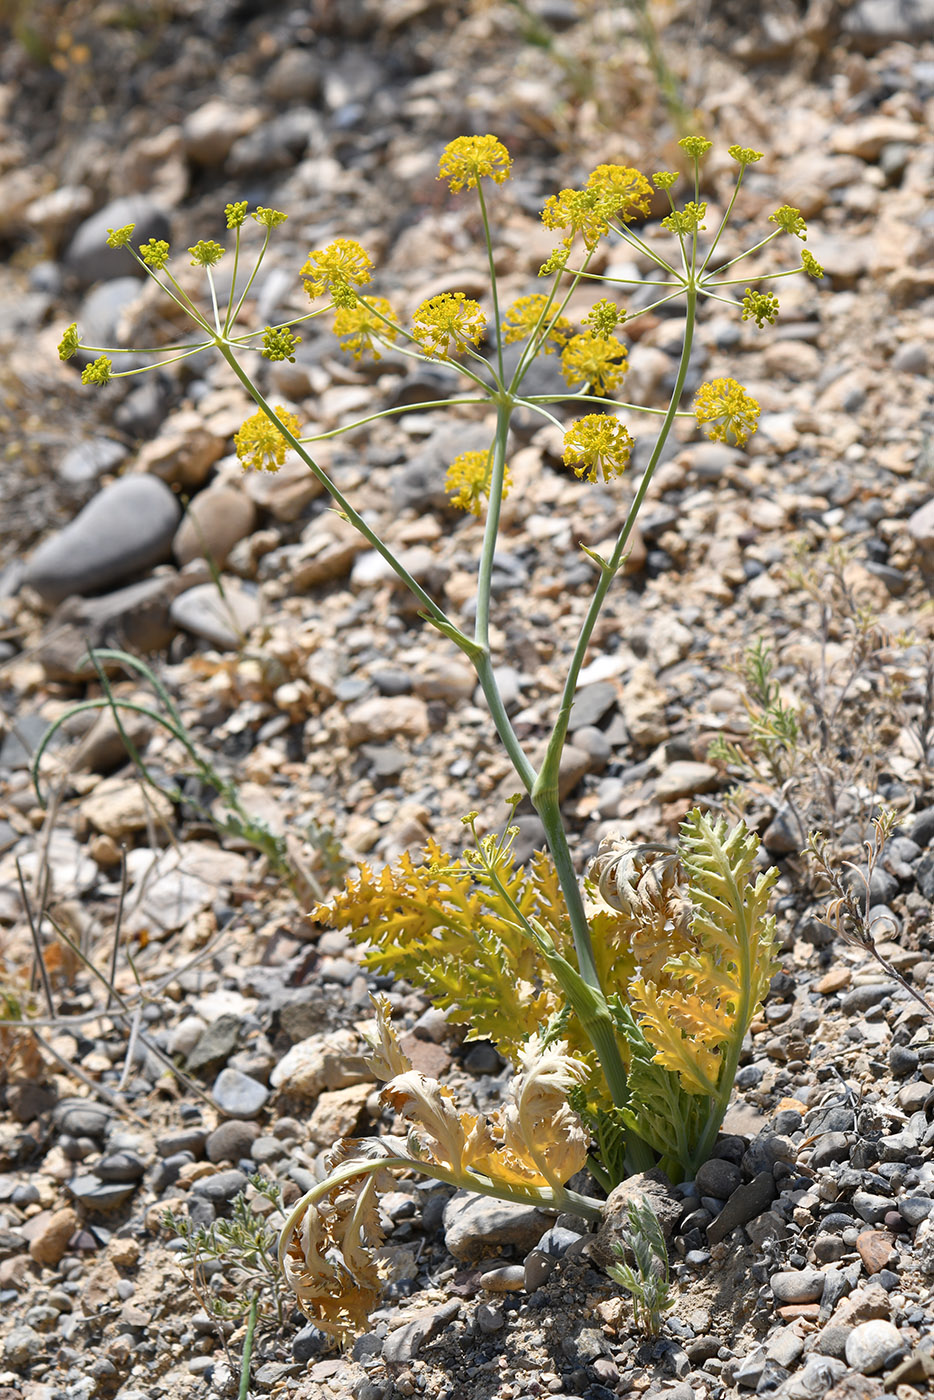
{"points": [[231, 1141], [214, 522], [223, 1186], [88, 256], [238, 1094], [797, 1285], [123, 531], [718, 1178], [871, 1344]]}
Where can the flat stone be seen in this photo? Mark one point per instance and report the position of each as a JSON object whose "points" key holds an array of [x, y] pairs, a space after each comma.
{"points": [[96, 1195], [88, 461], [476, 1226], [509, 1278], [118, 808], [385, 716], [220, 1187], [876, 1249], [685, 778], [125, 530], [224, 619], [745, 1203], [405, 1342]]}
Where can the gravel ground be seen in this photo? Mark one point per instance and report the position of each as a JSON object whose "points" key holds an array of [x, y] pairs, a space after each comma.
{"points": [[803, 1253]]}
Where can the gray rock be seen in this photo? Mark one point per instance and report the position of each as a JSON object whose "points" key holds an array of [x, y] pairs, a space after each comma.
{"points": [[718, 1178], [220, 1187], [404, 1344], [476, 1226], [100, 317], [814, 1380], [182, 1140], [830, 1147], [21, 1345], [765, 1150], [914, 1209], [239, 1094], [122, 1166], [82, 1118], [871, 1344], [224, 620], [797, 1285], [94, 1194], [126, 529], [231, 1141], [87, 461], [652, 1187], [539, 1267], [748, 1201], [871, 1208], [215, 1045], [863, 997], [874, 23], [490, 1318], [88, 256], [591, 703]]}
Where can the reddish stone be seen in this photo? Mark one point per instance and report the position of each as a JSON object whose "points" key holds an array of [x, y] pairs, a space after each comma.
{"points": [[875, 1248], [811, 1311]]}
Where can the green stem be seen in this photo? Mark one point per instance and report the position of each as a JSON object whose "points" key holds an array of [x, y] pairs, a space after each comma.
{"points": [[435, 613], [545, 1197], [248, 1349], [488, 239]]}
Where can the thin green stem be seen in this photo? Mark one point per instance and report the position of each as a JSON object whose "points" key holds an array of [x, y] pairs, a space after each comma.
{"points": [[248, 1348], [725, 220], [252, 278], [435, 612], [488, 239], [389, 413], [748, 252], [228, 319], [491, 529], [217, 314]]}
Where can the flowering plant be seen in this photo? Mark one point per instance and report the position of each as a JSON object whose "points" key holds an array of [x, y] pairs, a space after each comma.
{"points": [[622, 1000]]}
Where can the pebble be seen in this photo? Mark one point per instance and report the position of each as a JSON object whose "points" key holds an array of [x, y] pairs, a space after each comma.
{"points": [[47, 1245], [213, 523], [88, 257], [871, 1345], [220, 1187], [223, 615], [231, 1141], [797, 1285], [124, 530]]}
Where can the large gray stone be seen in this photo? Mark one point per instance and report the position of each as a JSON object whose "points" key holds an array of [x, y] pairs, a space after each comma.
{"points": [[88, 256], [126, 529], [476, 1227]]}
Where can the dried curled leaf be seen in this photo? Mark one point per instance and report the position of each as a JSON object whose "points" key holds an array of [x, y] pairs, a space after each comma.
{"points": [[453, 1140], [329, 1256], [386, 1058], [541, 1132]]}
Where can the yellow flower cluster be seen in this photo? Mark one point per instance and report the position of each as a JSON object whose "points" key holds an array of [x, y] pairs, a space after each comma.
{"points": [[727, 410], [365, 324], [260, 444], [686, 220], [205, 253], [760, 307], [596, 446], [448, 324], [790, 220], [465, 160], [530, 315], [340, 267], [468, 481], [597, 360], [612, 192]]}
